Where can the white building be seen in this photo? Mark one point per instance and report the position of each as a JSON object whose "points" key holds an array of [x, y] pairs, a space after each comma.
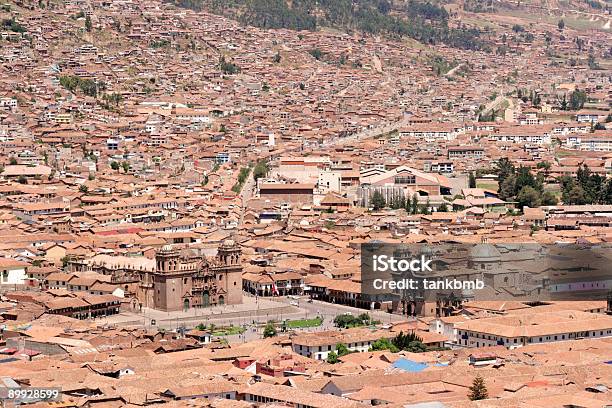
{"points": [[329, 181], [432, 131], [192, 115], [8, 103], [594, 142], [318, 345], [12, 272], [514, 331]]}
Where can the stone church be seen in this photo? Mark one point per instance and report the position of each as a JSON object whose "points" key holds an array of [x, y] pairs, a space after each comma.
{"points": [[183, 280], [177, 279]]}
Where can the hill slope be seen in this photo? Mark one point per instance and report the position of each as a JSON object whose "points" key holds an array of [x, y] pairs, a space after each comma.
{"points": [[422, 21]]}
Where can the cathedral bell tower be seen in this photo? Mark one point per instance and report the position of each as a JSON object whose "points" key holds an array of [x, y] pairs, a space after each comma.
{"points": [[166, 260], [228, 254], [228, 271]]}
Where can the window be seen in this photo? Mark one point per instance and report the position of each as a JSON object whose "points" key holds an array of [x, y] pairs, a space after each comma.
{"points": [[405, 179]]}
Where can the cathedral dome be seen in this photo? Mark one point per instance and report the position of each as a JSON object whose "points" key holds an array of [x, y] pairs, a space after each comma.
{"points": [[485, 253]]}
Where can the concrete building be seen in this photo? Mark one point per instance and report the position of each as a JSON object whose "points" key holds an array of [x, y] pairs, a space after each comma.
{"points": [[12, 272], [520, 330]]}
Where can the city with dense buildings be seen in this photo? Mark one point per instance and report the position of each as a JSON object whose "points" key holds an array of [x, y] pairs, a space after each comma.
{"points": [[186, 187]]}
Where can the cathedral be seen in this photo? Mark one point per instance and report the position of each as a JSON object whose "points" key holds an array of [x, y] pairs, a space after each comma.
{"points": [[182, 280], [177, 279]]}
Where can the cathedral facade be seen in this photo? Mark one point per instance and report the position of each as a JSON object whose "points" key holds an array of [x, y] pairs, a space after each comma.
{"points": [[183, 280], [177, 279]]}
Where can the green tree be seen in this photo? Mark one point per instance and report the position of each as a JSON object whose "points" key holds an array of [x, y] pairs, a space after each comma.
{"points": [[65, 261], [378, 201], [22, 179], [342, 350], [346, 321], [561, 24], [544, 165], [525, 178], [425, 208], [114, 165], [408, 205], [504, 168], [83, 188], [126, 166], [277, 58], [316, 53], [384, 344], [269, 330], [577, 196], [12, 161], [228, 68], [478, 390], [577, 99], [528, 197], [415, 204], [443, 207], [260, 170], [506, 187], [564, 103], [472, 180], [88, 24], [409, 342], [332, 357], [548, 198]]}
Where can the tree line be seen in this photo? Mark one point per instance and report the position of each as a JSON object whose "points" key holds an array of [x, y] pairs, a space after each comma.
{"points": [[586, 188], [422, 20], [521, 185], [88, 86]]}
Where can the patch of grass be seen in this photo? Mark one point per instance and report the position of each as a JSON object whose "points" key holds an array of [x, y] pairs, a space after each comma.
{"points": [[564, 153], [221, 330], [228, 331], [487, 186], [573, 22], [303, 323]]}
